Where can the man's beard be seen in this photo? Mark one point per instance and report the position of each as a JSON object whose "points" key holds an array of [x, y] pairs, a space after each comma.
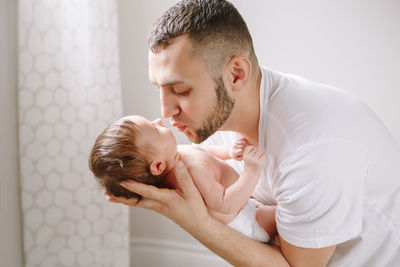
{"points": [[221, 111]]}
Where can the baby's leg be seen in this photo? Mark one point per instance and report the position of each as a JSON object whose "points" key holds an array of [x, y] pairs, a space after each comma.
{"points": [[265, 217]]}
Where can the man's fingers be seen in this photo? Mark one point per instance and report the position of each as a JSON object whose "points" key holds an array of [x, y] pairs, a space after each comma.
{"points": [[152, 205], [127, 201], [183, 178], [146, 191], [135, 202], [112, 199]]}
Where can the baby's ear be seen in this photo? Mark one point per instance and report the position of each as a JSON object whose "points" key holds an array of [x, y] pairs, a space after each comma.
{"points": [[157, 167]]}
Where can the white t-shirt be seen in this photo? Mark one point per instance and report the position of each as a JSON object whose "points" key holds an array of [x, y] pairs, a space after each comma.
{"points": [[332, 169]]}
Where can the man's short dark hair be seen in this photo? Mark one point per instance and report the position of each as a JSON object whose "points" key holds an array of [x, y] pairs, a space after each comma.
{"points": [[215, 27]]}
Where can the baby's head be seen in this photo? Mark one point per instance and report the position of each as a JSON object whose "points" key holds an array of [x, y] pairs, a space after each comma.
{"points": [[132, 148]]}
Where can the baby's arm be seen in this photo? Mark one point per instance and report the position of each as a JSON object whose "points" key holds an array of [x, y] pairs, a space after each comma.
{"points": [[231, 199], [221, 152], [238, 193], [226, 152]]}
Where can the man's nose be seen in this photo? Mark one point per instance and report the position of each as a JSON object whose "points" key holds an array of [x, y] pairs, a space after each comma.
{"points": [[169, 104]]}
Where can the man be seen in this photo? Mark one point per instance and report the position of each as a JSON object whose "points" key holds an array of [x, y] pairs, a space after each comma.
{"points": [[332, 168]]}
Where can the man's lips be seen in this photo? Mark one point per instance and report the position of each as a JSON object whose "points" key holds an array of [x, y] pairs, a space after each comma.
{"points": [[179, 127]]}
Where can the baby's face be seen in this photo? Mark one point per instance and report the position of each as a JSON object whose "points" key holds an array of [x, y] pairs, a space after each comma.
{"points": [[157, 135]]}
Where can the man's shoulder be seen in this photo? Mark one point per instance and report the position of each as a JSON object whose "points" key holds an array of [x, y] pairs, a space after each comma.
{"points": [[279, 80]]}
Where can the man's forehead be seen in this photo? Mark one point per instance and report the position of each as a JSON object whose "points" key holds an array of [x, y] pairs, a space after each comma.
{"points": [[161, 67], [168, 74], [168, 65], [165, 77]]}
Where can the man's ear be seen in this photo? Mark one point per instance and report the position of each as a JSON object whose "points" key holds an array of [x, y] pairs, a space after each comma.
{"points": [[157, 167], [237, 72]]}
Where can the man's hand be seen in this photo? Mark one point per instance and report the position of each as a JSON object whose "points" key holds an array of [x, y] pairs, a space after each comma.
{"points": [[184, 206]]}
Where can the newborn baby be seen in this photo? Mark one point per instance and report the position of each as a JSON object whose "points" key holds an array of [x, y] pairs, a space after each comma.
{"points": [[146, 151]]}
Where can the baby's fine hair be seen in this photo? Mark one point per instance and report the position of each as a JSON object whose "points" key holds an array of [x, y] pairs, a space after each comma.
{"points": [[115, 157]]}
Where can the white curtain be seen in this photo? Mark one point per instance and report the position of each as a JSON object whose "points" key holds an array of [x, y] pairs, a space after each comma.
{"points": [[69, 90]]}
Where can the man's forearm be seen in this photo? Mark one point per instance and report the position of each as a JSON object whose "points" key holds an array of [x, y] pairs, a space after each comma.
{"points": [[236, 248], [187, 209]]}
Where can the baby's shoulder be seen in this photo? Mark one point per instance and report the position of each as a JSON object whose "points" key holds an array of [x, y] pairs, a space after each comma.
{"points": [[192, 151], [194, 156]]}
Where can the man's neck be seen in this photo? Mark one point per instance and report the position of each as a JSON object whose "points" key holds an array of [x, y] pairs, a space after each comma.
{"points": [[245, 116]]}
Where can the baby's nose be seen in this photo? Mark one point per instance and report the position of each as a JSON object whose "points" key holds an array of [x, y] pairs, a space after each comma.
{"points": [[159, 122]]}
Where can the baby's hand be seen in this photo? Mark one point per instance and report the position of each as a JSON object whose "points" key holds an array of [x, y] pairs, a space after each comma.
{"points": [[253, 159], [237, 150]]}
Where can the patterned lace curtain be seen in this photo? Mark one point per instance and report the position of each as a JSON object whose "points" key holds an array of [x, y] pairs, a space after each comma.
{"points": [[69, 90]]}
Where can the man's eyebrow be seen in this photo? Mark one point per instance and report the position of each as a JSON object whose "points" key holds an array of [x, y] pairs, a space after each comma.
{"points": [[170, 83]]}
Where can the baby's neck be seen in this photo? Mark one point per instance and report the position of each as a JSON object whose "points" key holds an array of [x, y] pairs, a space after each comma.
{"points": [[169, 175], [171, 162], [176, 158]]}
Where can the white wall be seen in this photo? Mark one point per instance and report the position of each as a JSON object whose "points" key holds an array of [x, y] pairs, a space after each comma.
{"points": [[10, 224], [354, 45]]}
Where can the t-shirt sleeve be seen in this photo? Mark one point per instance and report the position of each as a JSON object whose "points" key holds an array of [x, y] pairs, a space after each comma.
{"points": [[320, 194]]}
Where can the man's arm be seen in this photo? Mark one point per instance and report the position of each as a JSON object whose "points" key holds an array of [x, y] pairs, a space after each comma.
{"points": [[298, 256], [239, 250], [186, 208]]}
